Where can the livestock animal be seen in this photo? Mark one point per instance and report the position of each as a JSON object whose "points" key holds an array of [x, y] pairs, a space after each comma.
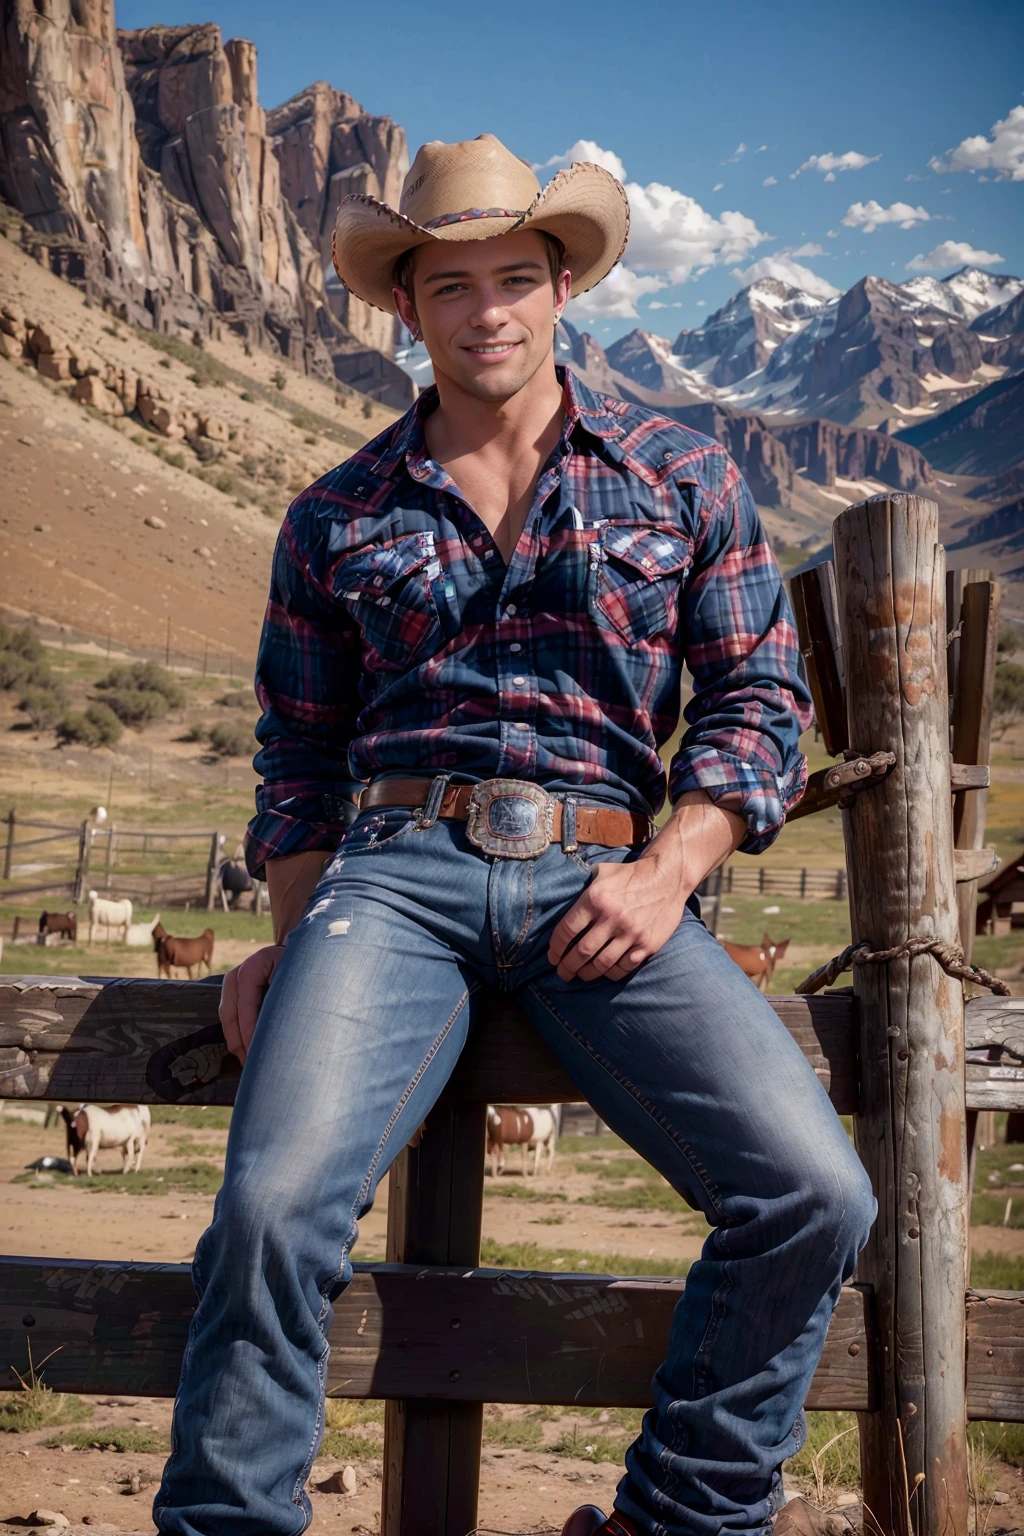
{"points": [[534, 1129], [64, 924], [235, 882], [91, 1127], [185, 953], [108, 915], [758, 961], [140, 935]]}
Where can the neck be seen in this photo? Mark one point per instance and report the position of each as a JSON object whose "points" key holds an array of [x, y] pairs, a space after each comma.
{"points": [[529, 420]]}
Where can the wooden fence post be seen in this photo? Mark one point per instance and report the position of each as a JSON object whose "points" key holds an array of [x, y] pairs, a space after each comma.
{"points": [[82, 868], [9, 850], [435, 1212], [216, 843], [911, 1127]]}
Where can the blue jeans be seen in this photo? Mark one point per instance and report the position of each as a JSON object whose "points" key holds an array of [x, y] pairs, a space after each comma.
{"points": [[363, 1024]]}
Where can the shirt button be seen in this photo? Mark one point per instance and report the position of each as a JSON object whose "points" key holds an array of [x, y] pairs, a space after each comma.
{"points": [[488, 554], [515, 646], [519, 682], [510, 611]]}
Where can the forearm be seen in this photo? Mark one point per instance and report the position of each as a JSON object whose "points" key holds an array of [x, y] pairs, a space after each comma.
{"points": [[291, 881], [698, 836]]}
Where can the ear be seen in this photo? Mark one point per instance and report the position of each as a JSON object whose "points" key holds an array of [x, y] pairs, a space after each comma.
{"points": [[563, 288], [406, 312]]}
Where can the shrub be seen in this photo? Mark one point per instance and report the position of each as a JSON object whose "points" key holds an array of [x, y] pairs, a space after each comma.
{"points": [[1010, 640], [176, 460], [231, 740], [240, 699], [1008, 698], [205, 451], [43, 706], [195, 733], [165, 362], [245, 395], [144, 677], [21, 642], [278, 379], [225, 483], [367, 407], [97, 727], [136, 706]]}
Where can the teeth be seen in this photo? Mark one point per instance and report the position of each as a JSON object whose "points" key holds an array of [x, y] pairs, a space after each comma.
{"points": [[501, 346]]}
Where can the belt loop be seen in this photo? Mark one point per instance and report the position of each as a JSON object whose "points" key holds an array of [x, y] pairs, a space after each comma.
{"points": [[435, 795], [569, 844]]}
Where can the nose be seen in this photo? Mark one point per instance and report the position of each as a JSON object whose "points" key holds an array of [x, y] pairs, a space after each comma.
{"points": [[490, 312]]}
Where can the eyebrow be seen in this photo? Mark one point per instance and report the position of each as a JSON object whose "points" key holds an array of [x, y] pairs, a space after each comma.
{"points": [[513, 266]]}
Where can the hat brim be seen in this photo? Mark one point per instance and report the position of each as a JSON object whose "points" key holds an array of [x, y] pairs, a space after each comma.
{"points": [[584, 207]]}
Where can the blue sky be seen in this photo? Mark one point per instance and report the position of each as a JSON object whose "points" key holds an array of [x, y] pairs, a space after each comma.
{"points": [[923, 103]]}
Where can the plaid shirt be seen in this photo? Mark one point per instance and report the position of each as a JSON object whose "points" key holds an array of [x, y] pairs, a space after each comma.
{"points": [[397, 640]]}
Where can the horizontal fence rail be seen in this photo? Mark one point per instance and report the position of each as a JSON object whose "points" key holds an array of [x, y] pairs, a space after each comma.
{"points": [[798, 884]]}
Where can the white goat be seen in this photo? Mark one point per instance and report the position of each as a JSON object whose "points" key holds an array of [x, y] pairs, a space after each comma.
{"points": [[545, 1134], [140, 935], [92, 1127], [108, 915]]}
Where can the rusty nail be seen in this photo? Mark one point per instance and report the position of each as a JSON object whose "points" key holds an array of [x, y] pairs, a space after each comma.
{"points": [[861, 767], [990, 1353], [854, 1349], [913, 1231], [456, 1322], [28, 1321], [902, 1055], [454, 1375]]}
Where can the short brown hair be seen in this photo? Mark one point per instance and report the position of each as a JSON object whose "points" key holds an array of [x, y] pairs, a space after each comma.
{"points": [[403, 269]]}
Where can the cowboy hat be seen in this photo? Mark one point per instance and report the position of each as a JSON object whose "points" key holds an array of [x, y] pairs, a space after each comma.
{"points": [[474, 191]]}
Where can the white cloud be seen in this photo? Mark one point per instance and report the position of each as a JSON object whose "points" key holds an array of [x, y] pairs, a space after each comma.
{"points": [[786, 270], [616, 297], [701, 303], [812, 248], [584, 149], [832, 234], [718, 186], [760, 149], [952, 253], [770, 181], [671, 238], [871, 215], [1002, 151], [737, 154], [830, 163]]}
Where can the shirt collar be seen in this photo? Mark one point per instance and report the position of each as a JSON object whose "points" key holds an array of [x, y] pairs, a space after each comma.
{"points": [[586, 412]]}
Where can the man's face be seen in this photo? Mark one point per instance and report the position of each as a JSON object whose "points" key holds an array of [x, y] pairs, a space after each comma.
{"points": [[486, 310]]}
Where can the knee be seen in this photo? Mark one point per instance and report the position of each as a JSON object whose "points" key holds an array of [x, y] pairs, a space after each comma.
{"points": [[843, 1206]]}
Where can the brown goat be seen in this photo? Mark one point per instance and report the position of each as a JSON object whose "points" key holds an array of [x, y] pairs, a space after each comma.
{"points": [[185, 953], [758, 961]]}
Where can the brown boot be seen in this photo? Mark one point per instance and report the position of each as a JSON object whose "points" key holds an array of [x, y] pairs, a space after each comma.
{"points": [[798, 1518], [588, 1520]]}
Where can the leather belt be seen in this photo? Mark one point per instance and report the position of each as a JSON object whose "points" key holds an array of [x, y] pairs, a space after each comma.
{"points": [[512, 818]]}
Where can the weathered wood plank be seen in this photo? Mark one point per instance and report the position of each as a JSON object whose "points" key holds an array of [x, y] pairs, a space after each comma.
{"points": [[964, 776], [890, 571], [435, 1214], [970, 864], [400, 1331], [138, 1041], [995, 1355], [815, 609]]}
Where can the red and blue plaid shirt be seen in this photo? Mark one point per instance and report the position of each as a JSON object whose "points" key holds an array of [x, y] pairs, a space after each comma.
{"points": [[397, 640]]}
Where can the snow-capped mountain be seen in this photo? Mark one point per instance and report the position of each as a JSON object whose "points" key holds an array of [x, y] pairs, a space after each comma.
{"points": [[741, 337], [967, 294]]}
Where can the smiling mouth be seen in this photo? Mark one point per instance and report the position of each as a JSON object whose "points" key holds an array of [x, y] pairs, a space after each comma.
{"points": [[492, 348]]}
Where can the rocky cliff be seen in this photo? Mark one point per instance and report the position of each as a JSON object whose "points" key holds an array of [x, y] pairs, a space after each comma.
{"points": [[142, 167], [327, 147]]}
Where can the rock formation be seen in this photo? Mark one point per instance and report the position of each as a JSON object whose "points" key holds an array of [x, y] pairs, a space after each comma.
{"points": [[328, 147], [142, 168]]}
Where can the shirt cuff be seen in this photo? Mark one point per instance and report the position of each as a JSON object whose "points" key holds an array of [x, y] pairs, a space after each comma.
{"points": [[761, 797], [300, 826]]}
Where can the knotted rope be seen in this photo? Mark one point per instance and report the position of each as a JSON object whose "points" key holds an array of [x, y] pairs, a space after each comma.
{"points": [[949, 956]]}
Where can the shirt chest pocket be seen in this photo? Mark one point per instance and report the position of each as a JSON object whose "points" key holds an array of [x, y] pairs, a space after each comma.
{"points": [[400, 597], [635, 576]]}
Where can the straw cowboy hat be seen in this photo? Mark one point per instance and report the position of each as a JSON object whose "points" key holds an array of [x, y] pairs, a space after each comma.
{"points": [[474, 191]]}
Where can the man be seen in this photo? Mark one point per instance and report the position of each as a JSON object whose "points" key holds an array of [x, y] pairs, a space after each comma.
{"points": [[476, 629]]}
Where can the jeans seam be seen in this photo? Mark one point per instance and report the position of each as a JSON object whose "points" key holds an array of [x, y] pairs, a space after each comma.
{"points": [[708, 1184], [360, 1198], [504, 957]]}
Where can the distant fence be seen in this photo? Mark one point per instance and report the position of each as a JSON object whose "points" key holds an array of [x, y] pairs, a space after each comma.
{"points": [[153, 867], [209, 659], [799, 884]]}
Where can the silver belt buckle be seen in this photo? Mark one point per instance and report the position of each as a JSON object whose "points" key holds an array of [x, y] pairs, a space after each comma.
{"points": [[510, 818]]}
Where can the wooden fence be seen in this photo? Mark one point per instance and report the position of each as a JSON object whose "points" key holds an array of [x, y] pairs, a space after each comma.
{"points": [[912, 1349], [154, 867], [798, 884]]}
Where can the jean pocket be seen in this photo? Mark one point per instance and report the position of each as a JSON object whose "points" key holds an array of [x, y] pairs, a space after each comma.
{"points": [[390, 592], [636, 579], [374, 830]]}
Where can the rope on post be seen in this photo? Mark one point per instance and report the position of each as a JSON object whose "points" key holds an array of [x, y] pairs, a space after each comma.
{"points": [[949, 956]]}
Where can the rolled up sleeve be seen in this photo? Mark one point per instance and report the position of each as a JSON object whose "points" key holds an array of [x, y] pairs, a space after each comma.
{"points": [[750, 697], [307, 676]]}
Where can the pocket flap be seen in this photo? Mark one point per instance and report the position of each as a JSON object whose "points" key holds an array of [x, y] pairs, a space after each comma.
{"points": [[651, 552], [377, 573]]}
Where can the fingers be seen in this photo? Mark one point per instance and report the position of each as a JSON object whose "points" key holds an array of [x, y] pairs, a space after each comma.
{"points": [[227, 1012], [579, 917]]}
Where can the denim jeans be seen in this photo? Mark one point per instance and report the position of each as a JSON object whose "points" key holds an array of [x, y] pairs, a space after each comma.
{"points": [[363, 1023]]}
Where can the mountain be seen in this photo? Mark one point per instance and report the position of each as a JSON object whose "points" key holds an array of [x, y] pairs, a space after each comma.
{"points": [[142, 170], [877, 356], [980, 436]]}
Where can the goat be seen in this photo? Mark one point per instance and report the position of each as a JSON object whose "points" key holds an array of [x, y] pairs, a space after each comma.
{"points": [[63, 924], [758, 961], [108, 914], [140, 935], [171, 951], [92, 1127], [534, 1129]]}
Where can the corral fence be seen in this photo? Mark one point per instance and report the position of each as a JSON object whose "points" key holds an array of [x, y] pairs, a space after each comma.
{"points": [[153, 867], [186, 652], [797, 884], [912, 1349]]}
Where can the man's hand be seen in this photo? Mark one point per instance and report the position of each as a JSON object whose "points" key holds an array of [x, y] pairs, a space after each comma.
{"points": [[628, 911], [241, 997]]}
